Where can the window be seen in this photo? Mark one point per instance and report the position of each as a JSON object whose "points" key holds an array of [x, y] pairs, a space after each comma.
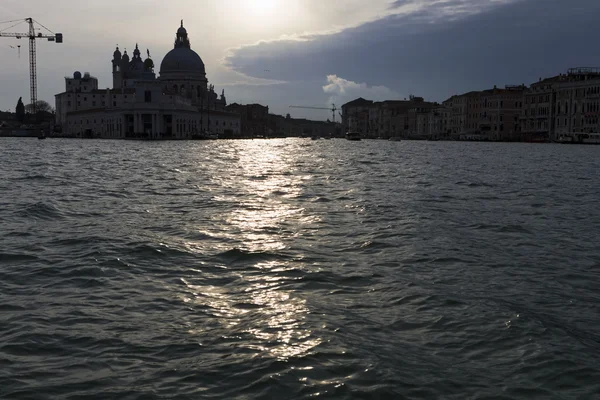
{"points": [[148, 96], [69, 103]]}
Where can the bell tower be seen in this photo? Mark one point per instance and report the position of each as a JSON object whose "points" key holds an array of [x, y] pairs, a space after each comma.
{"points": [[116, 69]]}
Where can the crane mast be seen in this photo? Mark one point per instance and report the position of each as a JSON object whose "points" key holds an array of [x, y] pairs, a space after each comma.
{"points": [[32, 66], [32, 36]]}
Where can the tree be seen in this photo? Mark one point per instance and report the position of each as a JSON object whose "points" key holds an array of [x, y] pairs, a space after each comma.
{"points": [[20, 110], [42, 106]]}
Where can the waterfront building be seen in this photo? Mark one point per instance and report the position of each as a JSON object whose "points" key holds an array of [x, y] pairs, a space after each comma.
{"points": [[287, 126], [500, 112], [178, 104], [492, 114], [577, 103], [355, 116], [458, 106], [539, 108], [254, 119], [396, 115], [418, 118], [439, 117], [389, 118]]}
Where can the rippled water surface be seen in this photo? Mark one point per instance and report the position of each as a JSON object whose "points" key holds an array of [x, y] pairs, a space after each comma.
{"points": [[293, 269]]}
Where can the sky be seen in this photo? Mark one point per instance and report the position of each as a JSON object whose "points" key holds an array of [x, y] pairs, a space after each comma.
{"points": [[311, 52]]}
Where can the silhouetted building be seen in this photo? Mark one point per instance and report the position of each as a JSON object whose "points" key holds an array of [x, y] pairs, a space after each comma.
{"points": [[355, 116], [577, 103], [254, 119], [299, 127], [179, 104], [491, 114], [539, 108]]}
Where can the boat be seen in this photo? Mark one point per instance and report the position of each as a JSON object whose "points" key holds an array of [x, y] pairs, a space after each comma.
{"points": [[352, 135], [580, 138], [394, 139], [42, 135], [206, 135]]}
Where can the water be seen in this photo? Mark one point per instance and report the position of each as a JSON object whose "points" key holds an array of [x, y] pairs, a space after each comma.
{"points": [[297, 269]]}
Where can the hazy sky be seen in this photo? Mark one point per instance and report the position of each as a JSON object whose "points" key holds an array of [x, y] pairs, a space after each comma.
{"points": [[312, 52]]}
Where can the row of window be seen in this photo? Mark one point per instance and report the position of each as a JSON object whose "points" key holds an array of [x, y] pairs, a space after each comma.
{"points": [[537, 99]]}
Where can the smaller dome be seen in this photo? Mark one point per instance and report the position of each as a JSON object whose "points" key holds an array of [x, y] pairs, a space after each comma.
{"points": [[77, 75], [125, 57], [117, 53], [148, 64]]}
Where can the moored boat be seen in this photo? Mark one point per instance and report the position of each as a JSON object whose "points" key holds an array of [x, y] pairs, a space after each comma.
{"points": [[352, 135], [579, 138]]}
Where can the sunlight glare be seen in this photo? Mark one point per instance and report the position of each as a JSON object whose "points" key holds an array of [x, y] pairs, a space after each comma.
{"points": [[262, 8]]}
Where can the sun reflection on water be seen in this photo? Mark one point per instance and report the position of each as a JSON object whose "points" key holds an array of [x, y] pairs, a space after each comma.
{"points": [[260, 215], [262, 308]]}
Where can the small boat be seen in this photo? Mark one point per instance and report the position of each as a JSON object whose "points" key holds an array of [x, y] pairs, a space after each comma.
{"points": [[42, 135], [205, 135], [394, 139], [352, 135]]}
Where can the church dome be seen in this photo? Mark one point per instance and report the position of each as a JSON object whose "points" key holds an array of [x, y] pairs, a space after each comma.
{"points": [[182, 59]]}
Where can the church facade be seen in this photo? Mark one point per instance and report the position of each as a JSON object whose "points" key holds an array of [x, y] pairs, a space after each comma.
{"points": [[178, 104]]}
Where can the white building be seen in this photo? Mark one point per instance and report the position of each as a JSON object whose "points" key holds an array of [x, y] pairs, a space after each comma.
{"points": [[179, 104]]}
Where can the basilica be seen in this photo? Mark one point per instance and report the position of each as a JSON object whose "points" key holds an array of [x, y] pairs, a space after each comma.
{"points": [[178, 104]]}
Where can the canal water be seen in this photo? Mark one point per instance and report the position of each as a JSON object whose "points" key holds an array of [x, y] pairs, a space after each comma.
{"points": [[297, 269]]}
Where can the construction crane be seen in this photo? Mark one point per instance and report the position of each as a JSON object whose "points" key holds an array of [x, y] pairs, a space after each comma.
{"points": [[333, 109], [32, 36]]}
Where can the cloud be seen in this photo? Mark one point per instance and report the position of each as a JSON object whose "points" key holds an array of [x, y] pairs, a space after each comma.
{"points": [[342, 90], [321, 49], [437, 48]]}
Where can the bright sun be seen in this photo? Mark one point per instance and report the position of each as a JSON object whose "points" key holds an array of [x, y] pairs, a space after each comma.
{"points": [[262, 7]]}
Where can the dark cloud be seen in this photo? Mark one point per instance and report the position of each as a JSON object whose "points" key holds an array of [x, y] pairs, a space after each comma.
{"points": [[436, 52]]}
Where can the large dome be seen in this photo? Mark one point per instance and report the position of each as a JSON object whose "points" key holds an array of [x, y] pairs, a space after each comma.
{"points": [[184, 60]]}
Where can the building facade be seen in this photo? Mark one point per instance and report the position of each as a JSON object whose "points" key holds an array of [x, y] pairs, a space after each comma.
{"points": [[179, 104], [492, 114], [355, 116], [577, 103], [254, 119]]}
